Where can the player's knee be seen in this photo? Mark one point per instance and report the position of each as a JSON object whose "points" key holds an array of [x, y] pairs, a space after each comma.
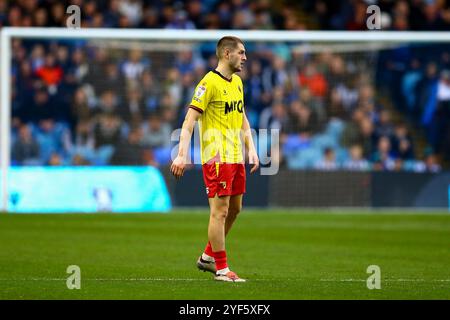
{"points": [[220, 214], [234, 211]]}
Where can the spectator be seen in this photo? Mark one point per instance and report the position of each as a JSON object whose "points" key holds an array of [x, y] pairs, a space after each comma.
{"points": [[78, 160], [108, 102], [97, 69], [409, 89], [84, 142], [328, 162], [79, 68], [52, 138], [335, 108], [366, 98], [383, 157], [187, 87], [40, 18], [57, 16], [185, 62], [441, 121], [356, 161], [26, 149], [55, 160], [62, 57], [314, 81], [135, 65], [348, 92], [169, 115], [302, 120], [107, 130], [132, 9], [112, 14], [156, 133], [276, 75], [432, 164], [433, 20], [129, 151], [25, 85], [427, 88], [50, 73], [254, 85], [172, 87], [180, 20], [385, 126], [195, 10], [150, 19], [367, 137], [273, 117], [150, 91], [337, 70], [37, 57], [213, 22], [402, 145], [351, 134], [80, 109], [42, 107], [262, 20], [358, 18], [132, 110], [109, 77]]}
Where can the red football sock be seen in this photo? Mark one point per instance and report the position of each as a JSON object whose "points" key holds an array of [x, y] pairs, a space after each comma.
{"points": [[208, 250], [221, 259]]}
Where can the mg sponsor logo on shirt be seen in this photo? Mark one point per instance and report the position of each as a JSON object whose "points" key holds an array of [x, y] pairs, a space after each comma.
{"points": [[233, 106]]}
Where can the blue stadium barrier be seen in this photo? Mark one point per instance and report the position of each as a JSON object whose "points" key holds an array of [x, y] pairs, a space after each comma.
{"points": [[87, 189]]}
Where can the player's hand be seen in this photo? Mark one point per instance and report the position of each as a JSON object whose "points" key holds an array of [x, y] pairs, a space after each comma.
{"points": [[254, 160], [178, 166]]}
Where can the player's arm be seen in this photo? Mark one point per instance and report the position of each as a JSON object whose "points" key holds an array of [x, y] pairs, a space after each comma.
{"points": [[178, 165], [249, 145]]}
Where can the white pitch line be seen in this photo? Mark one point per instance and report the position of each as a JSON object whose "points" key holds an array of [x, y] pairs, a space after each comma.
{"points": [[132, 279], [114, 279], [191, 279], [387, 280]]}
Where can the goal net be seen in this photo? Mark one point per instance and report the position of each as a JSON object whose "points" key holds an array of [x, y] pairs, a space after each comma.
{"points": [[89, 117]]}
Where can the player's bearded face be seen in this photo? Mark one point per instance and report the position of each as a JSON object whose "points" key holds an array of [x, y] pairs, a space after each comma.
{"points": [[237, 58]]}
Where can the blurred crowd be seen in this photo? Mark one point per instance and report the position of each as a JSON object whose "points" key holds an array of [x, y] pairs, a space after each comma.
{"points": [[193, 14], [84, 103], [425, 15], [403, 15]]}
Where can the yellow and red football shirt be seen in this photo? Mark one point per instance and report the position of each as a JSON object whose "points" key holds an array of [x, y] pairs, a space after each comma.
{"points": [[221, 103]]}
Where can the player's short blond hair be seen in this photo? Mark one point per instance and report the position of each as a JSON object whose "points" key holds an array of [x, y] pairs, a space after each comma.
{"points": [[227, 42]]}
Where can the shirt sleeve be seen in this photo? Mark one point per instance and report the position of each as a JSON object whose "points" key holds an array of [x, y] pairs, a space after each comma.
{"points": [[202, 96]]}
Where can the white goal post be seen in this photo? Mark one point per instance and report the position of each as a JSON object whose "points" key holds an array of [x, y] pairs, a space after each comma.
{"points": [[8, 33]]}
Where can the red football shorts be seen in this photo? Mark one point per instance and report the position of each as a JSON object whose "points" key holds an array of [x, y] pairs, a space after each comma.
{"points": [[224, 179]]}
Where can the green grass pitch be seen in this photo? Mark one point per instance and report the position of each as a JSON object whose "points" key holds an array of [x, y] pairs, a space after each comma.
{"points": [[283, 254]]}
